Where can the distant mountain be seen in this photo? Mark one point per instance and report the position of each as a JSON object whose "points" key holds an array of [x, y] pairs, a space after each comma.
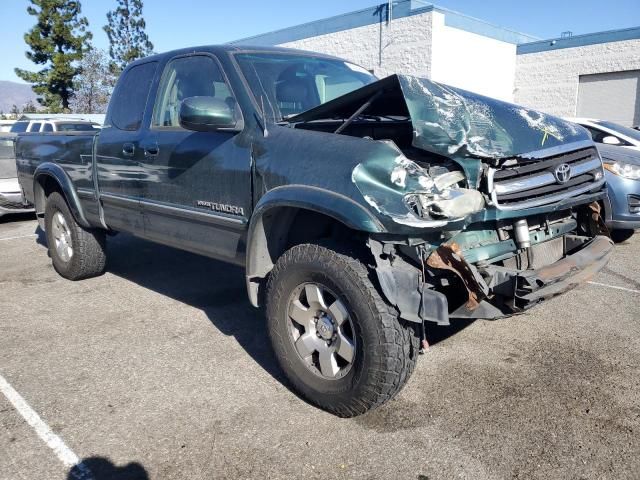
{"points": [[13, 93]]}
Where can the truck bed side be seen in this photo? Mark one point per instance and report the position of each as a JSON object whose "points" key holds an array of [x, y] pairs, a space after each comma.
{"points": [[69, 155]]}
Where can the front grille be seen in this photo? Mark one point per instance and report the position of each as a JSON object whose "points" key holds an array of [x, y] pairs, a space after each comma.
{"points": [[542, 254], [533, 184]]}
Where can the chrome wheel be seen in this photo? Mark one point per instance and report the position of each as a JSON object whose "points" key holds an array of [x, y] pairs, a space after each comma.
{"points": [[321, 330], [61, 237]]}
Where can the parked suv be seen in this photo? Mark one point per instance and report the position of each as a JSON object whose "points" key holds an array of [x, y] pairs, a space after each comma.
{"points": [[50, 126], [619, 148]]}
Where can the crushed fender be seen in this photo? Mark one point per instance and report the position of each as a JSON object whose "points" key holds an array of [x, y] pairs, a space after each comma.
{"points": [[403, 285]]}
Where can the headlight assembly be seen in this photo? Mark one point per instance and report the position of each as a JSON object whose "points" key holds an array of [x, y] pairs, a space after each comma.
{"points": [[446, 199], [624, 170]]}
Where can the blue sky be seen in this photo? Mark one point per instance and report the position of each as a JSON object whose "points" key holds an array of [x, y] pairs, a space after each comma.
{"points": [[181, 23]]}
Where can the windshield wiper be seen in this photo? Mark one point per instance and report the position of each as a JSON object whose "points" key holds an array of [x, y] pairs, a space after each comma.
{"points": [[359, 111]]}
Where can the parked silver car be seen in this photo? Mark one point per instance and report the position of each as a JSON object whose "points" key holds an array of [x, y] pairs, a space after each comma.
{"points": [[10, 193]]}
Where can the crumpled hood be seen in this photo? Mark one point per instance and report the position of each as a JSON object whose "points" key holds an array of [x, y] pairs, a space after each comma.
{"points": [[448, 120], [470, 129], [453, 122]]}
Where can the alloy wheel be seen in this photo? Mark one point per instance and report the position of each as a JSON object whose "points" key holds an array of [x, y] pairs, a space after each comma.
{"points": [[62, 237], [321, 329]]}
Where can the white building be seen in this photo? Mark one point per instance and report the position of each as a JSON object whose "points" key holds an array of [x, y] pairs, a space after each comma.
{"points": [[595, 75]]}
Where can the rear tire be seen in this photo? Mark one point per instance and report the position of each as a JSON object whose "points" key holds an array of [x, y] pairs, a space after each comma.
{"points": [[620, 236], [76, 252], [382, 350]]}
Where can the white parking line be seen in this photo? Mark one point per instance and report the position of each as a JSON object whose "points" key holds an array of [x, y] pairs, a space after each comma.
{"points": [[21, 236], [613, 286], [53, 441]]}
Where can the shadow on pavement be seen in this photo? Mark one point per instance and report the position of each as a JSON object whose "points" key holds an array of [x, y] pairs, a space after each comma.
{"points": [[436, 333], [41, 237], [101, 468], [17, 217], [216, 288]]}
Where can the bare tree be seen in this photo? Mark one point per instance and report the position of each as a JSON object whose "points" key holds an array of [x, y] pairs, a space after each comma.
{"points": [[94, 85]]}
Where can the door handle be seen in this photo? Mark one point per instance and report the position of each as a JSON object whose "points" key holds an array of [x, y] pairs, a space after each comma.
{"points": [[151, 150], [128, 149]]}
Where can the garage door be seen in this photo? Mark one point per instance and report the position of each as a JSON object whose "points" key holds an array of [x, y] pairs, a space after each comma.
{"points": [[611, 96]]}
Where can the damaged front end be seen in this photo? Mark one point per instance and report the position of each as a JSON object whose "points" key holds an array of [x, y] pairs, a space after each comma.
{"points": [[440, 283], [489, 207], [415, 196]]}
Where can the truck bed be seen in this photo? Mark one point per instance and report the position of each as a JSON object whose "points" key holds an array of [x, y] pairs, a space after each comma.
{"points": [[71, 150]]}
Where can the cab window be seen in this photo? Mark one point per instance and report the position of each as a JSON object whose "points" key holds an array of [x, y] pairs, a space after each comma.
{"points": [[130, 97], [35, 127], [19, 127], [47, 127], [193, 76]]}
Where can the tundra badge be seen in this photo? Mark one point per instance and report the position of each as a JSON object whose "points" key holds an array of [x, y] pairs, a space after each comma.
{"points": [[220, 207]]}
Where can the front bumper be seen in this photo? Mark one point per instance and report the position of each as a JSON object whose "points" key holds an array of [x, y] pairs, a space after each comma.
{"points": [[491, 291], [513, 291]]}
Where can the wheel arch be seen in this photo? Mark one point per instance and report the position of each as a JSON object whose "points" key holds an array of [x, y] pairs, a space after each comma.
{"points": [[283, 212], [50, 177]]}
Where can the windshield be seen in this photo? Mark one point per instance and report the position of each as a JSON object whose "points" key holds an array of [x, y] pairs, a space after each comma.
{"points": [[288, 84], [629, 132]]}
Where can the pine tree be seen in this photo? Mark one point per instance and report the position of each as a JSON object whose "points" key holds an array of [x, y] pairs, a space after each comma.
{"points": [[128, 40], [57, 42]]}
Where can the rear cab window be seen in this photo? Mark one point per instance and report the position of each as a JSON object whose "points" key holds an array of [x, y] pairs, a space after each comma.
{"points": [[130, 97]]}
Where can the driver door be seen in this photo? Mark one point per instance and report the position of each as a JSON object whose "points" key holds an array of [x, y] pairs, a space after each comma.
{"points": [[197, 185]]}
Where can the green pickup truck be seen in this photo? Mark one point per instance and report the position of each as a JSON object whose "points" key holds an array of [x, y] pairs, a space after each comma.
{"points": [[363, 211]]}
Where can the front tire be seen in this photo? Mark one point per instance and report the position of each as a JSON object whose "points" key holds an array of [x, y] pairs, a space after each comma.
{"points": [[76, 252], [620, 236], [339, 343]]}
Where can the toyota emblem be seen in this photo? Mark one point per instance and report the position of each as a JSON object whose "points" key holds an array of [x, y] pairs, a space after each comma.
{"points": [[562, 173]]}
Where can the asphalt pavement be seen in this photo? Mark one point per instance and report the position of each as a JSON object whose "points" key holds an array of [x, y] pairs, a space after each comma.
{"points": [[161, 369]]}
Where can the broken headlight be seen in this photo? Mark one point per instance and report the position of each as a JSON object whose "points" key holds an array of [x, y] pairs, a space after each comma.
{"points": [[445, 199]]}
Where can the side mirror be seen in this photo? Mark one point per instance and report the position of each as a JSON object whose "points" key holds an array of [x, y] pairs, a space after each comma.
{"points": [[611, 140], [208, 114]]}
